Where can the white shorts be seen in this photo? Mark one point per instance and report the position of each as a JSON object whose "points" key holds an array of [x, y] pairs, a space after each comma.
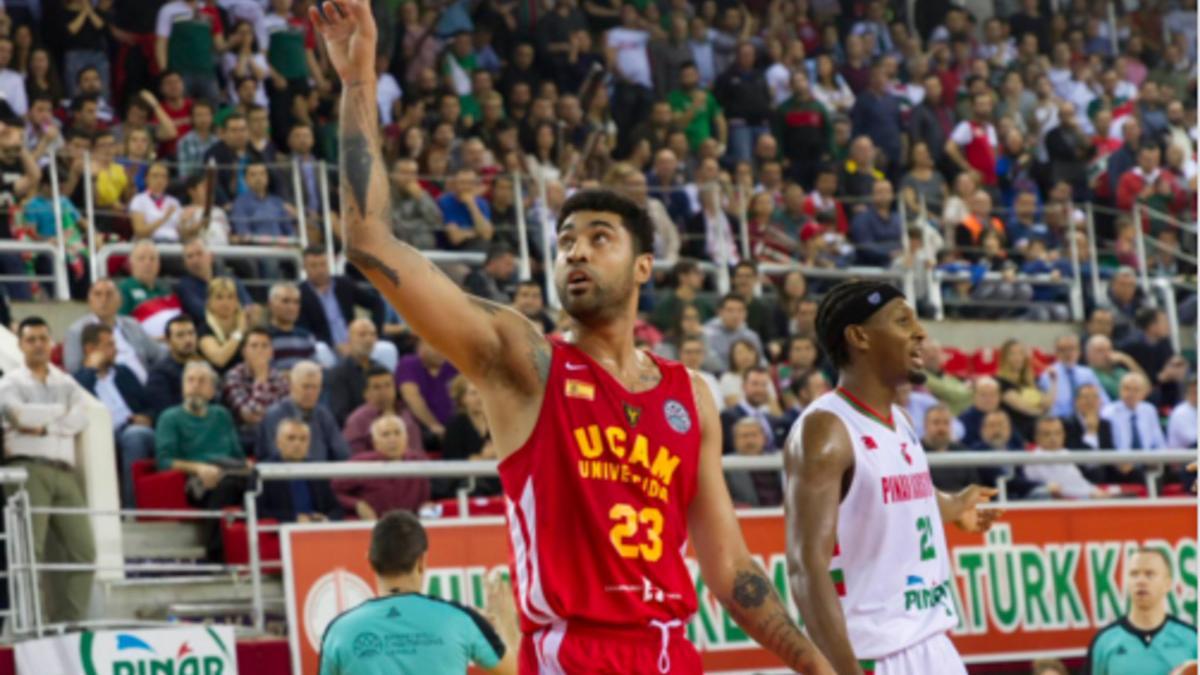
{"points": [[935, 656]]}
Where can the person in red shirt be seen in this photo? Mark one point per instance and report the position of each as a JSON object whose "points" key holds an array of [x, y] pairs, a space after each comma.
{"points": [[610, 457], [177, 106], [1150, 184], [973, 143], [822, 198]]}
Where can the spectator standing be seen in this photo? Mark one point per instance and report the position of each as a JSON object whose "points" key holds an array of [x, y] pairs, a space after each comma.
{"points": [[327, 302], [369, 499], [876, 114], [290, 342], [198, 438], [875, 232], [627, 48], [805, 131], [196, 143], [43, 410], [188, 37], [165, 382], [84, 44], [973, 144], [1147, 634], [1134, 421], [755, 489], [297, 501], [695, 110], [302, 402], [424, 381], [122, 394], [1069, 375], [744, 97], [253, 386], [1062, 481], [135, 349], [939, 437], [379, 399]]}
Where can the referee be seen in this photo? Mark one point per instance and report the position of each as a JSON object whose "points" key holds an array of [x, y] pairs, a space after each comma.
{"points": [[404, 632], [1147, 640]]}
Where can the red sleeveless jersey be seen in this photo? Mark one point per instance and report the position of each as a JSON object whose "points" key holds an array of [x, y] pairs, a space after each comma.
{"points": [[597, 498]]}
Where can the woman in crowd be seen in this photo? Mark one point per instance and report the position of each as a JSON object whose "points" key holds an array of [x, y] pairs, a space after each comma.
{"points": [[1020, 396], [224, 325], [153, 213], [468, 437], [139, 154]]}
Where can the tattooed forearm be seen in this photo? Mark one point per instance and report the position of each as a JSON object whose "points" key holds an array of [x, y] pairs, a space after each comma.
{"points": [[364, 179], [759, 610], [356, 167], [369, 263]]}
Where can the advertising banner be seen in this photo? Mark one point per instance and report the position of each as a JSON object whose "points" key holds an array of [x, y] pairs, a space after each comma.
{"points": [[196, 650], [1040, 583]]}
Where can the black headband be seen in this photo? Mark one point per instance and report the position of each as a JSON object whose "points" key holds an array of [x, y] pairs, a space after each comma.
{"points": [[859, 307]]}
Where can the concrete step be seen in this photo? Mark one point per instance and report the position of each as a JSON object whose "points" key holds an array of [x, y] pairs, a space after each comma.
{"points": [[179, 597], [161, 540]]}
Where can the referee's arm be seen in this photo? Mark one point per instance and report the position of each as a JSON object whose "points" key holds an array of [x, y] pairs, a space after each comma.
{"points": [[488, 651]]}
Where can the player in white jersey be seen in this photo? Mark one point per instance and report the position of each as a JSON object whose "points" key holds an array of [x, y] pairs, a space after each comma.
{"points": [[867, 556]]}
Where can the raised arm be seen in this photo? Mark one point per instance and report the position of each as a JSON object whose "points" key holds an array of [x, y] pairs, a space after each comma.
{"points": [[477, 336], [725, 563], [817, 458]]}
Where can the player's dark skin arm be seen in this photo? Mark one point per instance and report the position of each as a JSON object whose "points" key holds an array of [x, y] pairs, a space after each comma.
{"points": [[818, 459], [725, 563], [495, 347]]}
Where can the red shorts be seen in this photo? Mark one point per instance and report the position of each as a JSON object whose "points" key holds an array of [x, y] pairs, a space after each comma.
{"points": [[568, 649]]}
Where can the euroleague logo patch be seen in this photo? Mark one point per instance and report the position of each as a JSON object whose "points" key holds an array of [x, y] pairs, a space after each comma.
{"points": [[677, 416]]}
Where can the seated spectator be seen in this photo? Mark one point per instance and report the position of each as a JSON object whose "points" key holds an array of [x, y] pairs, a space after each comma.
{"points": [[253, 386], [145, 296], [296, 501], [1125, 297], [742, 357], [199, 219], [953, 391], [1019, 394], [938, 437], [689, 281], [195, 144], [1150, 184], [303, 402], [192, 287], [291, 343], [154, 213], [198, 438], [493, 281], [348, 379], [258, 216], [43, 411], [1147, 625], [1150, 348], [1086, 429], [823, 198], [424, 381], [36, 222], [757, 402], [468, 437], [744, 282], [112, 185], [1108, 365], [122, 394], [327, 302], [1181, 424], [163, 385], [915, 403], [135, 350], [985, 398], [1069, 375], [379, 399], [466, 214], [802, 355], [1134, 421], [529, 302], [875, 231], [1061, 481], [970, 231], [225, 324], [804, 388], [996, 433], [728, 327], [754, 489], [692, 354], [233, 154], [369, 499], [415, 215]]}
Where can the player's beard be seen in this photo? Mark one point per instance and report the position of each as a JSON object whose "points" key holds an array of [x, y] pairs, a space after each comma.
{"points": [[601, 302], [916, 377]]}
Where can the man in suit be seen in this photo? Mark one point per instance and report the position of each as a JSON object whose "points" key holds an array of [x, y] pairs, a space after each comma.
{"points": [[752, 488], [327, 302], [1150, 347], [135, 350], [120, 391], [938, 437], [1070, 375], [1086, 429], [348, 379], [756, 387], [303, 501], [985, 400], [164, 387], [327, 443]]}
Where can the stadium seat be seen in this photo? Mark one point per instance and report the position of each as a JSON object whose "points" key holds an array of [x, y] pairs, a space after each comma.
{"points": [[153, 489], [56, 354], [476, 506], [237, 546]]}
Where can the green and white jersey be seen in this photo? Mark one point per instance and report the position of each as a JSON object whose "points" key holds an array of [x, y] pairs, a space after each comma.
{"points": [[890, 563], [1120, 648]]}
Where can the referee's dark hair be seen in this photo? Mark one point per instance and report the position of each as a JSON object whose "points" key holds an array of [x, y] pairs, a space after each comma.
{"points": [[397, 543]]}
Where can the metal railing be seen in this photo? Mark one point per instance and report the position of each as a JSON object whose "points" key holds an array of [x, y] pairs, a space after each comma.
{"points": [[239, 252]]}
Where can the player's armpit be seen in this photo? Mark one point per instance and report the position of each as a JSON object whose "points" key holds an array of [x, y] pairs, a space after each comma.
{"points": [[817, 459], [480, 338]]}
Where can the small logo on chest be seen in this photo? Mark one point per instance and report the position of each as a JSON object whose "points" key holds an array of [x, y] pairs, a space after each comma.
{"points": [[632, 414], [677, 416], [904, 451], [580, 389], [869, 443]]}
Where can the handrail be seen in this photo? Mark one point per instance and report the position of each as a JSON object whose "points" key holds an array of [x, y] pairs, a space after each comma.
{"points": [[13, 475], [487, 468], [831, 272], [1164, 286], [246, 251]]}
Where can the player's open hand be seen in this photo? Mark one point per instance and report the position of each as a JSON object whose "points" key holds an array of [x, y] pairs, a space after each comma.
{"points": [[350, 34], [969, 517], [501, 608]]}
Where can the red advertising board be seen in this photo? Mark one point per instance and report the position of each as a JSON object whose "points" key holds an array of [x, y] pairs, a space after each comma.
{"points": [[1038, 584]]}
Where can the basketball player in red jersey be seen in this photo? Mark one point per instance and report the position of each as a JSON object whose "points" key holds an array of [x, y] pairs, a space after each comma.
{"points": [[610, 457]]}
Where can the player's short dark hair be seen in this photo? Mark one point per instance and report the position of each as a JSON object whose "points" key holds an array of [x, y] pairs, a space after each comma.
{"points": [[1161, 553], [31, 322], [633, 217], [830, 320], [175, 320], [92, 332], [397, 542]]}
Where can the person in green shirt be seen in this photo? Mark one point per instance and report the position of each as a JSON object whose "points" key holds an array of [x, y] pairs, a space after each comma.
{"points": [[696, 110], [1108, 364], [951, 390], [689, 279], [199, 438], [1147, 640], [143, 283], [405, 631]]}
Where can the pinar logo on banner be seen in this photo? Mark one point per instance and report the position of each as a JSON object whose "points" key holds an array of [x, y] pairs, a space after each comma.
{"points": [[1039, 584], [179, 651]]}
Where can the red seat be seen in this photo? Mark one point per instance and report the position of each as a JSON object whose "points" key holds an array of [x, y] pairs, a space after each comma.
{"points": [[956, 362], [153, 489], [476, 506], [56, 354], [1174, 490], [237, 545], [985, 361]]}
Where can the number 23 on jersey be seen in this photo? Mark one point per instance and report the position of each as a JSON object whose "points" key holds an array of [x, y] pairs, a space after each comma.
{"points": [[627, 522]]}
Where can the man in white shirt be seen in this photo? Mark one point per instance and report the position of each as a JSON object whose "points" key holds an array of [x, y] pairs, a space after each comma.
{"points": [[43, 410], [1134, 421], [626, 48], [12, 85], [1181, 425], [1062, 481]]}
